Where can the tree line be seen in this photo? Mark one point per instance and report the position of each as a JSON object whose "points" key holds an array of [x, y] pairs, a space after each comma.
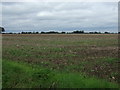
{"points": [[55, 32]]}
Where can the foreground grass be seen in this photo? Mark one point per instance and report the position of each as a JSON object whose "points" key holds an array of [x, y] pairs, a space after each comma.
{"points": [[24, 75]]}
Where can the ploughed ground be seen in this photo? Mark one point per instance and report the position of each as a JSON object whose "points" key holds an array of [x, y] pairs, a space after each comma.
{"points": [[92, 54]]}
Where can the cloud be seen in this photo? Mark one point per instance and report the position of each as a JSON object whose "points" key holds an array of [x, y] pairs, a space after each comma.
{"points": [[68, 16], [60, 0]]}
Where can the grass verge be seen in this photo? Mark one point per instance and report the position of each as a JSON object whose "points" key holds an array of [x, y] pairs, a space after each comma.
{"points": [[24, 75]]}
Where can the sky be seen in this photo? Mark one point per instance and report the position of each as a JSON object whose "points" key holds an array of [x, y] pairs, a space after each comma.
{"points": [[60, 16]]}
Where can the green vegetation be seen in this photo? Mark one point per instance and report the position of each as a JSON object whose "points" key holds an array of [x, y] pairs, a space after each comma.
{"points": [[111, 60], [22, 75]]}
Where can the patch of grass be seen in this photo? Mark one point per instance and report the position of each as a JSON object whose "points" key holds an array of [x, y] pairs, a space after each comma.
{"points": [[111, 60], [70, 80], [78, 67], [24, 75]]}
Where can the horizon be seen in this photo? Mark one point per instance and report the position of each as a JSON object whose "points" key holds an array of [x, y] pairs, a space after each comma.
{"points": [[59, 32]]}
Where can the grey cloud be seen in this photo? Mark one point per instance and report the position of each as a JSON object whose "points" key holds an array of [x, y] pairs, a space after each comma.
{"points": [[59, 15]]}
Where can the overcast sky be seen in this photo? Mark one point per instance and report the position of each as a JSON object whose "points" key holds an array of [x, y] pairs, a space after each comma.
{"points": [[60, 16]]}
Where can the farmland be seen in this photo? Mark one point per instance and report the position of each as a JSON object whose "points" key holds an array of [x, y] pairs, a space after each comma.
{"points": [[60, 61]]}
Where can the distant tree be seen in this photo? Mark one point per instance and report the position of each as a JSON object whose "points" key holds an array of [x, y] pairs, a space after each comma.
{"points": [[97, 32], [52, 32], [10, 33], [91, 32], [42, 32], [106, 32], [23, 32], [29, 32], [78, 32], [2, 29], [63, 32], [37, 32]]}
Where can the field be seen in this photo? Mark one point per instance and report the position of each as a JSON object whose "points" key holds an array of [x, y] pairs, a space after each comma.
{"points": [[60, 61]]}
